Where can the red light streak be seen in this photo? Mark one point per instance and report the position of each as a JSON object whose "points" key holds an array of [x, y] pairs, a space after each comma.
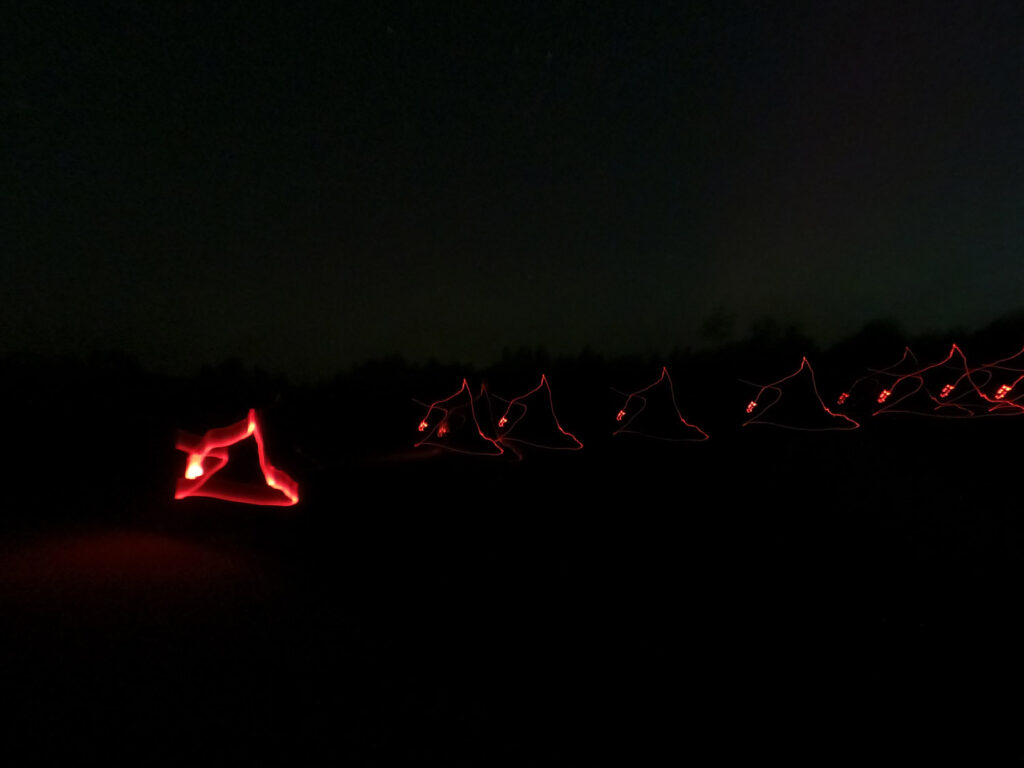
{"points": [[560, 439], [456, 421], [837, 420], [869, 386], [918, 393], [208, 454], [662, 392]]}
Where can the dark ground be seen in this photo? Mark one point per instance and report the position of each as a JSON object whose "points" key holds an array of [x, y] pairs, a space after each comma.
{"points": [[767, 593]]}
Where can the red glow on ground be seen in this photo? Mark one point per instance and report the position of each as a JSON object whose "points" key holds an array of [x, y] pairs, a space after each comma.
{"points": [[669, 424], [811, 414], [208, 454]]}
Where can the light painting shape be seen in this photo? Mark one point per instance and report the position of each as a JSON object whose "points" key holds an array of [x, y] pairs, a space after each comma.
{"points": [[793, 402], [208, 454], [653, 412]]}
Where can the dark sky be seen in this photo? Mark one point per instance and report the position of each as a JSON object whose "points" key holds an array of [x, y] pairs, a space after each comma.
{"points": [[305, 187]]}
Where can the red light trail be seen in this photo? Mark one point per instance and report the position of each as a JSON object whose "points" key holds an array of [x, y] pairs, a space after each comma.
{"points": [[817, 418], [662, 393], [208, 454], [454, 419], [540, 431]]}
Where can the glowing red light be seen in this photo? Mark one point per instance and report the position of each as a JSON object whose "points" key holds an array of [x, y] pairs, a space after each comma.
{"points": [[458, 424], [946, 390], [208, 454], [804, 419], [654, 413], [557, 438], [884, 395], [842, 398], [1003, 391]]}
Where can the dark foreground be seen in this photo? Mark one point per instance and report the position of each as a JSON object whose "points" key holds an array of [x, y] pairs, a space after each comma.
{"points": [[802, 596]]}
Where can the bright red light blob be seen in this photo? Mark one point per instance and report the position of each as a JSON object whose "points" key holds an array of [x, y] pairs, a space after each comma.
{"points": [[208, 454], [946, 390], [842, 398], [751, 406], [1003, 391], [423, 425], [884, 395], [620, 415], [502, 421]]}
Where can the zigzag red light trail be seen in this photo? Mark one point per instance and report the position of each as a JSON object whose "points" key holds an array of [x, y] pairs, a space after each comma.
{"points": [[280, 489], [639, 395], [940, 405], [775, 386], [888, 375], [445, 407], [510, 423]]}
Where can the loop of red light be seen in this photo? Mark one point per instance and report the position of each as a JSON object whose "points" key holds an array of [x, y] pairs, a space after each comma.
{"points": [[207, 455], [517, 402], [804, 363], [444, 407], [639, 394]]}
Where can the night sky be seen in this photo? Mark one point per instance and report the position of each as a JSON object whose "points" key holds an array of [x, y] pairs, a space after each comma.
{"points": [[307, 187]]}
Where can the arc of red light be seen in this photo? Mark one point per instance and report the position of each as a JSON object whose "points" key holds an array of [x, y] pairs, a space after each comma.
{"points": [[515, 401], [804, 363], [918, 376], [887, 371], [212, 446], [998, 399], [439, 405], [639, 393]]}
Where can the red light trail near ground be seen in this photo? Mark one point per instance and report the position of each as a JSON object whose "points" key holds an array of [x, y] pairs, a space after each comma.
{"points": [[208, 454], [811, 415], [541, 431], [944, 389], [452, 424], [661, 393]]}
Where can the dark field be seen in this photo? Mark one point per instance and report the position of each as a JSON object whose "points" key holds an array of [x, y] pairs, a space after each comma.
{"points": [[766, 593]]}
